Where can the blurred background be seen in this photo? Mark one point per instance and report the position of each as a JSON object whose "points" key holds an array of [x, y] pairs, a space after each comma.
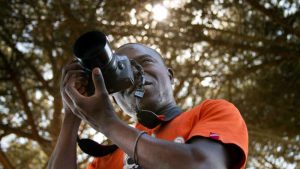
{"points": [[245, 51]]}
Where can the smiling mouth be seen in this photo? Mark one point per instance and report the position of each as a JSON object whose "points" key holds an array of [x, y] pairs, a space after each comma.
{"points": [[132, 89]]}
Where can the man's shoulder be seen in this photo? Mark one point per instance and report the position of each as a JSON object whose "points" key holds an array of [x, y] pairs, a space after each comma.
{"points": [[210, 110], [211, 106], [211, 102]]}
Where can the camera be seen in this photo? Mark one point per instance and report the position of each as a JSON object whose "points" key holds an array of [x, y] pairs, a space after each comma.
{"points": [[93, 49]]}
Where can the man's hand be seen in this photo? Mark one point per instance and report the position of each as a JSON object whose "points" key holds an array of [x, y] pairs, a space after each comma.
{"points": [[64, 154], [97, 109], [72, 68]]}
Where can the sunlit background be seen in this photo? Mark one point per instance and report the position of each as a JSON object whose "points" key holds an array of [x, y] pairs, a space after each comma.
{"points": [[244, 51]]}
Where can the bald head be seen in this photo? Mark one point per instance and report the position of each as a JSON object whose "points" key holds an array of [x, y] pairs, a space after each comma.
{"points": [[134, 46]]}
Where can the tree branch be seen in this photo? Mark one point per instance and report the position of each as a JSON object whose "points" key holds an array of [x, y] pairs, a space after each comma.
{"points": [[19, 132], [16, 131], [272, 15], [5, 161], [22, 95], [27, 62], [190, 36]]}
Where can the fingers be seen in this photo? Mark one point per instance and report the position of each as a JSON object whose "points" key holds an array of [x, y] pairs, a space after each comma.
{"points": [[74, 68], [73, 94], [75, 72], [66, 100], [99, 82], [81, 89], [70, 102], [80, 75], [72, 97], [73, 64], [76, 79]]}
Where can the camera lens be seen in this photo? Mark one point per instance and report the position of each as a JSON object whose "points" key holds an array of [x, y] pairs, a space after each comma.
{"points": [[93, 49]]}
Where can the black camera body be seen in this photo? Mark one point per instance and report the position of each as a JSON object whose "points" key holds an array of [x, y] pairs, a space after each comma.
{"points": [[93, 49]]}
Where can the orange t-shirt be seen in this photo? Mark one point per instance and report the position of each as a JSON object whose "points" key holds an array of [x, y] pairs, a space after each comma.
{"points": [[215, 119]]}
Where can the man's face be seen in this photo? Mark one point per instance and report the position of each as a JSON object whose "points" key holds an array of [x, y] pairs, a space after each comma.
{"points": [[158, 85]]}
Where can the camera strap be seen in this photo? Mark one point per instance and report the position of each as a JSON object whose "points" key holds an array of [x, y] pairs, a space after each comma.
{"points": [[148, 118], [95, 149]]}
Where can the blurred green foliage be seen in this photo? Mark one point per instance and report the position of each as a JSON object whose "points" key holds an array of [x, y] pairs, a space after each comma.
{"points": [[245, 51]]}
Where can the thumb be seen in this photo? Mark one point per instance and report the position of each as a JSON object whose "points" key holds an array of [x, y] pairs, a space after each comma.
{"points": [[98, 81]]}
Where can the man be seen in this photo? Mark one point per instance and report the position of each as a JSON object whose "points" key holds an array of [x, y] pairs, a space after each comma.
{"points": [[212, 135]]}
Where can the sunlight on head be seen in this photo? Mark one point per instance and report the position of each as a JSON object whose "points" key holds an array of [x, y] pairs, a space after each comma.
{"points": [[160, 12]]}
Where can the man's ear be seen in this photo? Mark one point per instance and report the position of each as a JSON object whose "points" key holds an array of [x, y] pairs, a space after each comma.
{"points": [[171, 75]]}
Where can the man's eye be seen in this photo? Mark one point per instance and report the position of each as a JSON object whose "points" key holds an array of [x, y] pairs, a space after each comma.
{"points": [[147, 61]]}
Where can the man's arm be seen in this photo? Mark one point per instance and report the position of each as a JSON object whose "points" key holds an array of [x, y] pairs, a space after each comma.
{"points": [[199, 153], [64, 154]]}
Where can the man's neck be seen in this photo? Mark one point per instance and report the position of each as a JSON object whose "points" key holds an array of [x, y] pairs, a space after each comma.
{"points": [[152, 119], [165, 109]]}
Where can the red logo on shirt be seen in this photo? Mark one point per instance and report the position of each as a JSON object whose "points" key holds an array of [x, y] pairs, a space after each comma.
{"points": [[214, 136]]}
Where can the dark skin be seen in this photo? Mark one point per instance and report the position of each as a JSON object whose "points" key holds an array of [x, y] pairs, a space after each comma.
{"points": [[98, 112]]}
